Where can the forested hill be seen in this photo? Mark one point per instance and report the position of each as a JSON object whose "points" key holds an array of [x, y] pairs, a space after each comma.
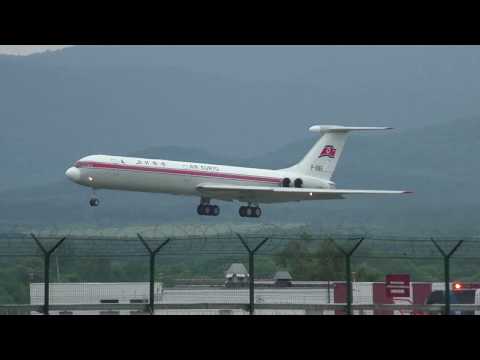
{"points": [[437, 162]]}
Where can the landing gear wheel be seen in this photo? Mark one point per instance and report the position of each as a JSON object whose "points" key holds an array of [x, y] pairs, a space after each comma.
{"points": [[241, 211], [207, 210], [94, 202], [251, 212]]}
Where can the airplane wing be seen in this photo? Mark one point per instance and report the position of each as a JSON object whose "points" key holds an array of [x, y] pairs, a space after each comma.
{"points": [[262, 194]]}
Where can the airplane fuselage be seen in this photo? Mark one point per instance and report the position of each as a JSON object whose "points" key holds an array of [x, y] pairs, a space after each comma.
{"points": [[309, 179], [172, 177]]}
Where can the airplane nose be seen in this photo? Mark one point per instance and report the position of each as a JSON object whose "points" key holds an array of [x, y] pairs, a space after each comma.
{"points": [[73, 174]]}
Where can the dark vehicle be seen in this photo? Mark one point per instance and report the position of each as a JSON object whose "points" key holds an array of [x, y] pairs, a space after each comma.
{"points": [[464, 296]]}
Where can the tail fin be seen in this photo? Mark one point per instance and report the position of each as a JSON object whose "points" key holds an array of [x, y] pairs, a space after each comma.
{"points": [[322, 158]]}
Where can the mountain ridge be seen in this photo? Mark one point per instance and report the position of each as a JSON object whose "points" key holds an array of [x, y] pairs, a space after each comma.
{"points": [[371, 161]]}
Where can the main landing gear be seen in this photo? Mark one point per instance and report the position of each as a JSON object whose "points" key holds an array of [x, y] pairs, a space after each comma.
{"points": [[213, 210], [250, 211], [208, 210]]}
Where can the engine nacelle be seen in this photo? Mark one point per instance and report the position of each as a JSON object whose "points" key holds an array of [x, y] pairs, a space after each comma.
{"points": [[306, 182], [286, 182], [313, 182], [298, 183]]}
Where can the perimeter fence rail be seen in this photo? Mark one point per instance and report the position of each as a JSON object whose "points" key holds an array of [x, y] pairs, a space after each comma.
{"points": [[356, 250]]}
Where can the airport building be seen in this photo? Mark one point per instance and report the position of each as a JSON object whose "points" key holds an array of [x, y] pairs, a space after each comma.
{"points": [[233, 289]]}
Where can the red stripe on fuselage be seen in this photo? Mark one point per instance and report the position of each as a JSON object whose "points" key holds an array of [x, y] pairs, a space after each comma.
{"points": [[99, 165]]}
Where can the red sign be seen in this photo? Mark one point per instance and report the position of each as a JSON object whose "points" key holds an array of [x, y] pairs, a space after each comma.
{"points": [[397, 285]]}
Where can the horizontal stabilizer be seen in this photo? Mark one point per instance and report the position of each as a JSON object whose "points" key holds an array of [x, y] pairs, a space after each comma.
{"points": [[339, 128]]}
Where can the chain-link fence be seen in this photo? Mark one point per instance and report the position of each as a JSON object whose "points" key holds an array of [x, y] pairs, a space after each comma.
{"points": [[219, 269]]}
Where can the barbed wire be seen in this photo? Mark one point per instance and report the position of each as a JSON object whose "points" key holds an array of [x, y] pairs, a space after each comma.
{"points": [[188, 239]]}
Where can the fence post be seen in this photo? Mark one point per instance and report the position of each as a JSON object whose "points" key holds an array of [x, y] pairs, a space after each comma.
{"points": [[328, 291], [46, 271], [348, 272], [152, 255], [446, 269], [251, 271]]}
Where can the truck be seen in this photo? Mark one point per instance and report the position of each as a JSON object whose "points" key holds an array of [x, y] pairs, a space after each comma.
{"points": [[457, 296]]}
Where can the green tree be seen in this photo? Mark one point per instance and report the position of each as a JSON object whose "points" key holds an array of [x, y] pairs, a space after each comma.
{"points": [[323, 262]]}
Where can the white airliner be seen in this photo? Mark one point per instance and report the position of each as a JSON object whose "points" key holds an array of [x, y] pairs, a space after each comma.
{"points": [[310, 179]]}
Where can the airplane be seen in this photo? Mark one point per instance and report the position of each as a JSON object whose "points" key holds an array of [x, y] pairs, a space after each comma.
{"points": [[309, 179]]}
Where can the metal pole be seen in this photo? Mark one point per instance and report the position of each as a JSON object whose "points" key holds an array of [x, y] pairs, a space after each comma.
{"points": [[328, 291], [152, 283], [46, 271], [46, 280], [58, 269], [152, 255], [348, 272], [446, 267], [446, 264], [349, 284], [251, 271]]}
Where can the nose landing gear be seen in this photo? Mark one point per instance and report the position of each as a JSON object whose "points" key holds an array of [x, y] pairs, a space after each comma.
{"points": [[94, 202]]}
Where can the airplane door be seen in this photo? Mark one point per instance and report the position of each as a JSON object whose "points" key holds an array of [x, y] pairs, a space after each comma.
{"points": [[116, 171], [187, 181]]}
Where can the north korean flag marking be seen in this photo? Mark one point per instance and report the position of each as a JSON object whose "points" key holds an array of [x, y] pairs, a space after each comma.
{"points": [[328, 150]]}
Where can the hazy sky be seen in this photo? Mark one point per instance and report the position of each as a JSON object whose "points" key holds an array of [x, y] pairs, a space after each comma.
{"points": [[27, 49]]}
